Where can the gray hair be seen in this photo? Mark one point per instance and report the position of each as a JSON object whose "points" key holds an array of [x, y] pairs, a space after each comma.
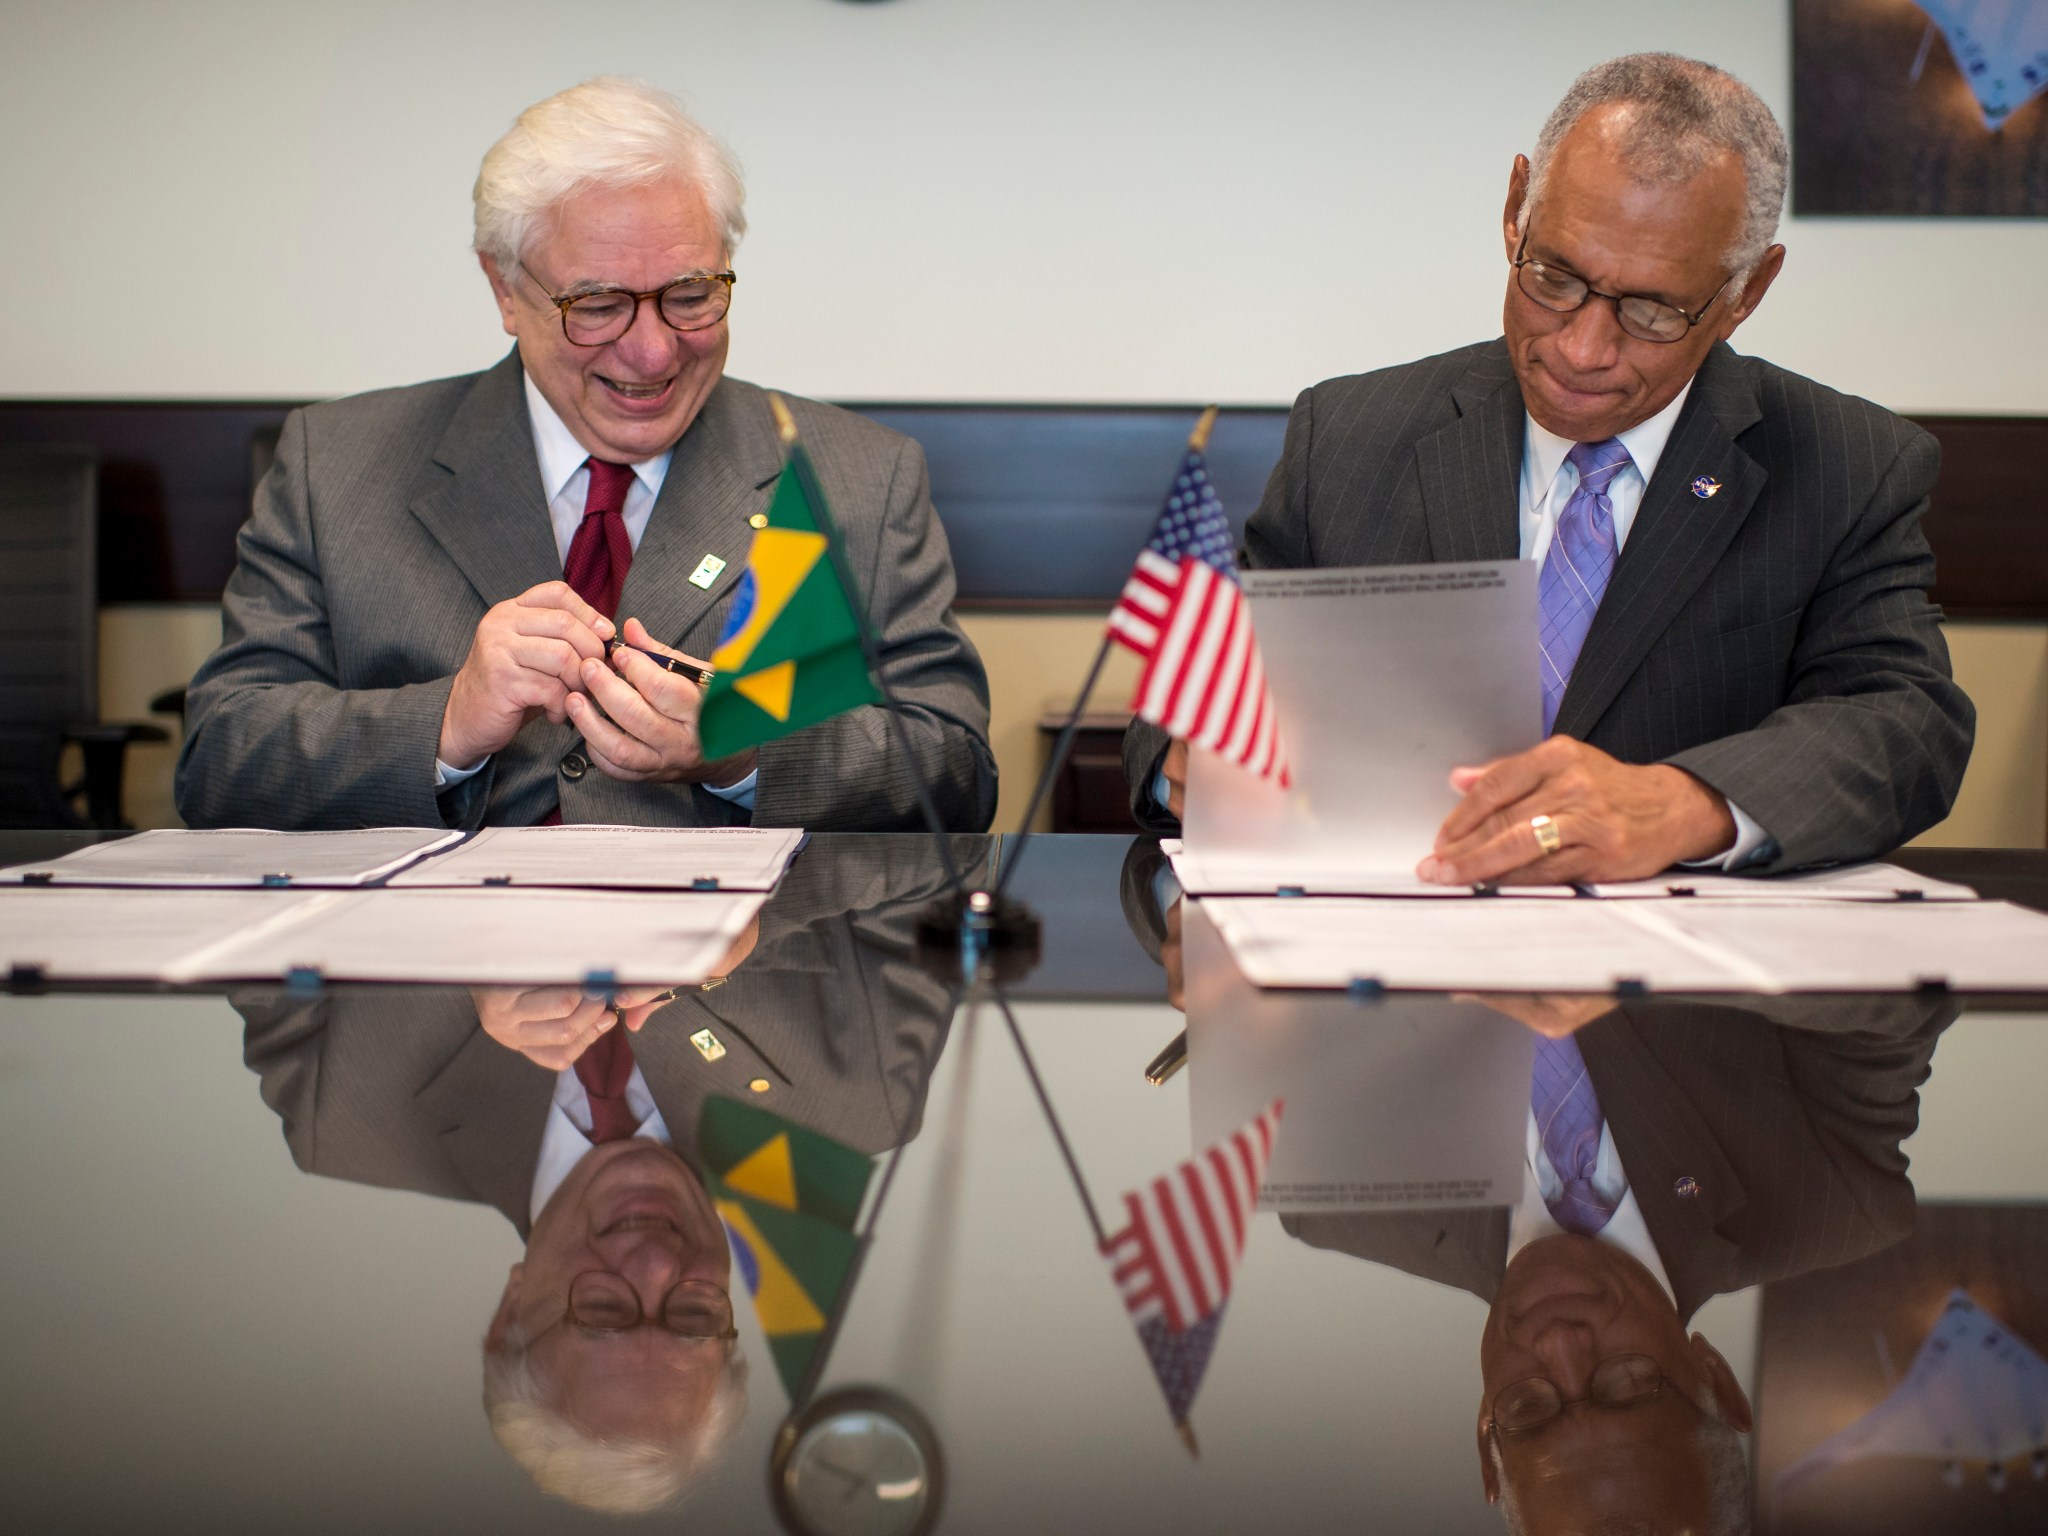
{"points": [[618, 1477], [1720, 1451], [1684, 113], [605, 133]]}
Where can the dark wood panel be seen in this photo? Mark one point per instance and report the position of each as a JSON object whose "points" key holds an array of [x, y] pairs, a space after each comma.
{"points": [[1044, 505], [1989, 523]]}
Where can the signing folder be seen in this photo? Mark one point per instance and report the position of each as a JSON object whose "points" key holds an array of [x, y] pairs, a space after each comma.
{"points": [[1384, 678]]}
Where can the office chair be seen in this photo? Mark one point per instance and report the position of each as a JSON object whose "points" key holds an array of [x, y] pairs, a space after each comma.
{"points": [[49, 644]]}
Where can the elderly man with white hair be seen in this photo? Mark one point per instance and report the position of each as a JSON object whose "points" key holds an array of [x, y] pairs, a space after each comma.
{"points": [[419, 627]]}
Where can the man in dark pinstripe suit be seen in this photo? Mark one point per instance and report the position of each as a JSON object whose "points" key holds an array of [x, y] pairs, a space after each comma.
{"points": [[1759, 680]]}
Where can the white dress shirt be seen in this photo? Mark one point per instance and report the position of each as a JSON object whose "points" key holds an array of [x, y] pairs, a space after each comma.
{"points": [[567, 1138], [565, 482], [1548, 480], [1625, 1229]]}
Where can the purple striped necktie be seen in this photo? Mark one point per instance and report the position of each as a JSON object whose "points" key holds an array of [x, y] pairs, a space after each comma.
{"points": [[1568, 1122], [1575, 571]]}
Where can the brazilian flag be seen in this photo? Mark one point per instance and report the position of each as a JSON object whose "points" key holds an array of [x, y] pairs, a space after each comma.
{"points": [[791, 654], [789, 1199]]}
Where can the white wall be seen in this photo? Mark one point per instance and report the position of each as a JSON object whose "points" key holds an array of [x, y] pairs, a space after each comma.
{"points": [[1027, 199]]}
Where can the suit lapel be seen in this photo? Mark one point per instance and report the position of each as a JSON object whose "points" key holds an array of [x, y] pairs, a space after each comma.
{"points": [[1663, 1139], [718, 478], [1676, 540], [489, 514], [1469, 469], [490, 1106]]}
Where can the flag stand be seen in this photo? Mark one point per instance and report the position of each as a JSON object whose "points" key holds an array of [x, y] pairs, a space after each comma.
{"points": [[977, 923], [1198, 442]]}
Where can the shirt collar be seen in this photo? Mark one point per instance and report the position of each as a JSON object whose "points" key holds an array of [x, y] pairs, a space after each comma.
{"points": [[1644, 441], [560, 455]]}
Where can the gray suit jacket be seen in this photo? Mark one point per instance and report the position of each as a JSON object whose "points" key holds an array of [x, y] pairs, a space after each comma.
{"points": [[391, 523], [401, 1087], [1790, 1135], [1774, 639]]}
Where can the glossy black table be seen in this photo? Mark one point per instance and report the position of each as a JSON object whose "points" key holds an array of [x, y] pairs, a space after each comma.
{"points": [[251, 1241]]}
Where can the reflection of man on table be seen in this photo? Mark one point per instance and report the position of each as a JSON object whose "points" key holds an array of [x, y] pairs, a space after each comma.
{"points": [[1675, 1151], [611, 1371], [416, 632], [1740, 665]]}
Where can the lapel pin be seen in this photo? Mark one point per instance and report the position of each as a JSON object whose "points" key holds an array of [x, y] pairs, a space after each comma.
{"points": [[758, 520], [1705, 487], [707, 571], [709, 1046]]}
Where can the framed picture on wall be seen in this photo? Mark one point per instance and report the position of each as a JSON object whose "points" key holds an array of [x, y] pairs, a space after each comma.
{"points": [[1907, 1394], [1935, 108]]}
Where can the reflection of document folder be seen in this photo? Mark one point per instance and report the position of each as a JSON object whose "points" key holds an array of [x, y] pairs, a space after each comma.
{"points": [[1384, 679], [1402, 1103]]}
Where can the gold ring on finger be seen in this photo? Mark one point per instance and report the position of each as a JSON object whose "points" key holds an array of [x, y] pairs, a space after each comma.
{"points": [[1548, 838]]}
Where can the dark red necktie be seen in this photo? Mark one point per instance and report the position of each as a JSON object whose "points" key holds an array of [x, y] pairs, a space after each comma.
{"points": [[604, 1070], [600, 552], [598, 558]]}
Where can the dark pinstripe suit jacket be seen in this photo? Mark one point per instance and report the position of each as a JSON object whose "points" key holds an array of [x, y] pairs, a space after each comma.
{"points": [[1791, 1134], [1775, 639], [392, 521], [400, 1086]]}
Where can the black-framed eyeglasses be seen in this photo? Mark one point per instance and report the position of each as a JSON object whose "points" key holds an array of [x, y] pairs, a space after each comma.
{"points": [[600, 315], [1620, 1381], [602, 1302], [1647, 319]]}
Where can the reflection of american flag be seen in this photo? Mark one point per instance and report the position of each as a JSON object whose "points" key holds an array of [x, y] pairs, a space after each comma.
{"points": [[1175, 1259], [1182, 610]]}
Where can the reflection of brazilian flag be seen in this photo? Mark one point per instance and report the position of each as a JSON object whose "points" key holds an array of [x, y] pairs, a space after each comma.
{"points": [[789, 1198], [791, 653]]}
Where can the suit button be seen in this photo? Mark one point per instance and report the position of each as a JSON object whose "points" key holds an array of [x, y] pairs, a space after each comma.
{"points": [[1686, 1187], [575, 765]]}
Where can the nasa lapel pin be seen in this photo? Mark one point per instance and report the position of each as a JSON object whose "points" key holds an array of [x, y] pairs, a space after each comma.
{"points": [[1705, 487], [707, 571]]}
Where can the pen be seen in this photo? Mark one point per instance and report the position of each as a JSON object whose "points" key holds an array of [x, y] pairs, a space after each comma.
{"points": [[701, 676], [1168, 1061]]}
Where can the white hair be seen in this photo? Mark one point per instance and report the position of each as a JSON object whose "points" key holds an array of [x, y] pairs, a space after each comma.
{"points": [[618, 1477], [605, 133], [1682, 114], [1720, 1450]]}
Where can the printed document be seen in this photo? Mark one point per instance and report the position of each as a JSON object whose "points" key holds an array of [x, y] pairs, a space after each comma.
{"points": [[86, 934], [1850, 882], [1491, 944], [615, 858], [239, 856], [489, 936]]}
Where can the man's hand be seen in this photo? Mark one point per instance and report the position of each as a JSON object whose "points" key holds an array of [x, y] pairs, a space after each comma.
{"points": [[1554, 1015], [1175, 767], [552, 1026], [648, 728], [527, 658], [1616, 821]]}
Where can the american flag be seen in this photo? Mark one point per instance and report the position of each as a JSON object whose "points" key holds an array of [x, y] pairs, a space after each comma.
{"points": [[1183, 611], [1175, 1259]]}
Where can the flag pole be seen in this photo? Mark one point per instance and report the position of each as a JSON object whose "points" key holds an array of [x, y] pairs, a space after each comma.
{"points": [[799, 465], [1181, 1427], [1059, 1136], [815, 1372], [1198, 442]]}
